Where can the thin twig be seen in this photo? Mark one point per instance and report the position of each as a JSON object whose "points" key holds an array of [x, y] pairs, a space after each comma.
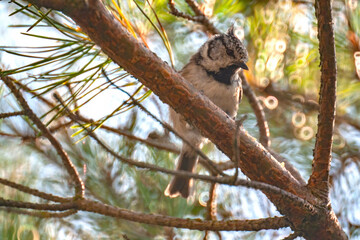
{"points": [[170, 147], [125, 237], [40, 214], [32, 92], [195, 7], [59, 126], [211, 204], [167, 146], [211, 207], [76, 106], [293, 236], [236, 157], [262, 124], [79, 185], [37, 206], [199, 18], [12, 114], [16, 136], [33, 192]]}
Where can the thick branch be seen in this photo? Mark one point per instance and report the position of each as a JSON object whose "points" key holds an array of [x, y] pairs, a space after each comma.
{"points": [[319, 179]]}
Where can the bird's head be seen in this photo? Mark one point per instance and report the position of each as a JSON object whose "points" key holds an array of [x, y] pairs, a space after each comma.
{"points": [[222, 51]]}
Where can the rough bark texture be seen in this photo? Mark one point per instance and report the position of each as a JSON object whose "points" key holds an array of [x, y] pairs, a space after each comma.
{"points": [[319, 179], [256, 162]]}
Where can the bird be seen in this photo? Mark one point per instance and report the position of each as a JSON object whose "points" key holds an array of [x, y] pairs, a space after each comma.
{"points": [[213, 71]]}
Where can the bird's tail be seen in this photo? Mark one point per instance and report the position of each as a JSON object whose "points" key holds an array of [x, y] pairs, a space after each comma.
{"points": [[182, 185]]}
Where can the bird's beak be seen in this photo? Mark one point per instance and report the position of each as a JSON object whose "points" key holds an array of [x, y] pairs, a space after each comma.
{"points": [[243, 66]]}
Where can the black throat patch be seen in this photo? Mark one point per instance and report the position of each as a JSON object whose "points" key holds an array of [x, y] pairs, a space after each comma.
{"points": [[224, 75]]}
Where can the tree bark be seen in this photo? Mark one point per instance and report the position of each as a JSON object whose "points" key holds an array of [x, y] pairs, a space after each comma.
{"points": [[319, 179]]}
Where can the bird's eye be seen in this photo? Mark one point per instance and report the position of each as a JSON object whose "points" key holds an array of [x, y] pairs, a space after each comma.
{"points": [[230, 53]]}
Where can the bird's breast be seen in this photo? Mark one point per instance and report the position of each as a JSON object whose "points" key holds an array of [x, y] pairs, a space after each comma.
{"points": [[224, 95]]}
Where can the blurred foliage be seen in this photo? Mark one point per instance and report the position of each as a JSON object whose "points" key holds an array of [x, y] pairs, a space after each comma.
{"points": [[281, 37]]}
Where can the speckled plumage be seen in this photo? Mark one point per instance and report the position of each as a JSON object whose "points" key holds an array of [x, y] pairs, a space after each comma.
{"points": [[213, 71]]}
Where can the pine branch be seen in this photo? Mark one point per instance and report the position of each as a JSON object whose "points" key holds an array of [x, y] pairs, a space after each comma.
{"points": [[152, 219], [37, 206], [211, 207], [160, 220], [199, 16], [12, 114], [319, 179], [79, 185], [262, 124], [40, 214], [33, 191], [293, 236]]}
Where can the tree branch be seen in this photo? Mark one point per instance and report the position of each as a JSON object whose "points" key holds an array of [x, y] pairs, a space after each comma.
{"points": [[319, 179], [293, 236], [37, 206], [199, 15], [33, 192], [40, 214], [12, 114], [231, 225], [153, 219], [264, 131], [211, 207], [79, 185]]}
